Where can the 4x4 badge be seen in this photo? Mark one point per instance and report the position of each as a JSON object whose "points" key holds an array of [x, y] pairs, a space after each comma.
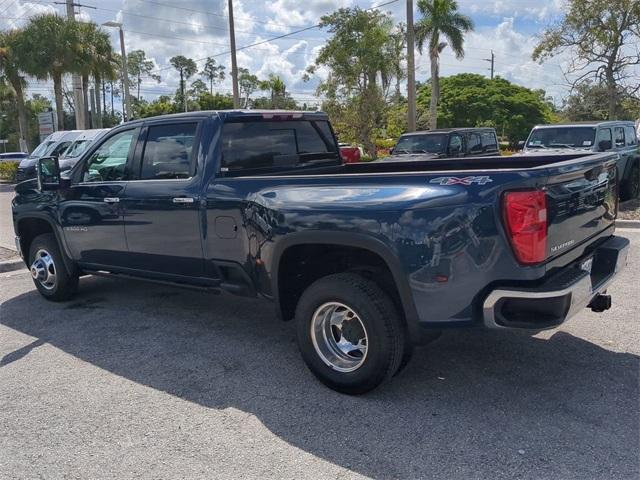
{"points": [[480, 180]]}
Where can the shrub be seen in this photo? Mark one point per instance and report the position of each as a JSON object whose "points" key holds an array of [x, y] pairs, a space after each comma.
{"points": [[8, 171], [386, 143]]}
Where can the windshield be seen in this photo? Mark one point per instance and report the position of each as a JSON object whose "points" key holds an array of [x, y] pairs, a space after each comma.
{"points": [[42, 148], [428, 143], [76, 148], [562, 137]]}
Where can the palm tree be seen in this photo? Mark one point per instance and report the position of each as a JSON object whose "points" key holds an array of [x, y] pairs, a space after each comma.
{"points": [[276, 86], [10, 69], [187, 68], [440, 18], [50, 49], [212, 72], [105, 67], [96, 61]]}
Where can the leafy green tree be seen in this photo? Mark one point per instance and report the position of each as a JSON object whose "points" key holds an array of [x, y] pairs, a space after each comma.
{"points": [[247, 84], [589, 101], [160, 106], [139, 67], [396, 52], [216, 101], [198, 87], [440, 19], [187, 69], [471, 100], [10, 69], [602, 38], [357, 56], [212, 72], [50, 47]]}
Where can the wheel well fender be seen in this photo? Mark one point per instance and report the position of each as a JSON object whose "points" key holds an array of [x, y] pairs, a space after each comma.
{"points": [[361, 242], [29, 227]]}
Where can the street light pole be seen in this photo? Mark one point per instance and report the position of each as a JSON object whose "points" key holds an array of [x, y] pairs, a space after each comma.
{"points": [[411, 71], [234, 63], [128, 115], [76, 81]]}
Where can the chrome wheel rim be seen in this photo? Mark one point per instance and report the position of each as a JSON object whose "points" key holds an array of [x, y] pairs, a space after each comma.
{"points": [[43, 269], [339, 337]]}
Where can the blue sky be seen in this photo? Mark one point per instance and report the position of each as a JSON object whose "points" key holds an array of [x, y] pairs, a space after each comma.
{"points": [[198, 28]]}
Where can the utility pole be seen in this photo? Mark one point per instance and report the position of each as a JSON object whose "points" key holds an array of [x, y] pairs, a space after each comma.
{"points": [[492, 61], [126, 110], [76, 81], [411, 71], [234, 63]]}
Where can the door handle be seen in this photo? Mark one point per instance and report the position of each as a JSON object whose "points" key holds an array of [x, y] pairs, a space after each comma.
{"points": [[111, 199], [183, 200]]}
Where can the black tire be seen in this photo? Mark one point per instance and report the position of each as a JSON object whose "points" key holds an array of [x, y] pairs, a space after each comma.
{"points": [[631, 188], [385, 331], [65, 285]]}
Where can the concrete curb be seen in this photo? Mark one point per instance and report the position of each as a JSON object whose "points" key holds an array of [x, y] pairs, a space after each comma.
{"points": [[628, 224], [11, 265]]}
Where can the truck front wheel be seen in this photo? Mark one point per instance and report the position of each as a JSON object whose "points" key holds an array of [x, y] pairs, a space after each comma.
{"points": [[48, 271], [349, 333]]}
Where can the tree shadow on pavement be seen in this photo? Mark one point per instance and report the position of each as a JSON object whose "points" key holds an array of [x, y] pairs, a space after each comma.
{"points": [[474, 400]]}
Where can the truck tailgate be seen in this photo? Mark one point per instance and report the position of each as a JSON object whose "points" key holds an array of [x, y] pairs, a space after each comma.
{"points": [[581, 202]]}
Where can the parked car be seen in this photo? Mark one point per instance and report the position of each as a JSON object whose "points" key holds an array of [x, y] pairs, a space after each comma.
{"points": [[74, 151], [349, 153], [12, 156], [446, 143], [611, 136], [52, 146], [369, 258]]}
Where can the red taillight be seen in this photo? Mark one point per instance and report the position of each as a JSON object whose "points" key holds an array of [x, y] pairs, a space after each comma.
{"points": [[525, 215]]}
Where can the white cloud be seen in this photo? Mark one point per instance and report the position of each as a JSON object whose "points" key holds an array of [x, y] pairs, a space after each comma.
{"points": [[198, 28], [513, 61], [540, 10]]}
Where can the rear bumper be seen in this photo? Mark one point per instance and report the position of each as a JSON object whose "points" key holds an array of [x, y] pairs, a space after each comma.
{"points": [[561, 296]]}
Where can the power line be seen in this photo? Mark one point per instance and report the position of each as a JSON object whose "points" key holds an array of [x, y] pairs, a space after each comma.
{"points": [[247, 19], [278, 37]]}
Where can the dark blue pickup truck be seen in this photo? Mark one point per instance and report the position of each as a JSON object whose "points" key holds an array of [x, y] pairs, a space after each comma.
{"points": [[369, 259]]}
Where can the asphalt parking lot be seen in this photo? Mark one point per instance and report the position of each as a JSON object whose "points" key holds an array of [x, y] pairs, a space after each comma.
{"points": [[132, 380]]}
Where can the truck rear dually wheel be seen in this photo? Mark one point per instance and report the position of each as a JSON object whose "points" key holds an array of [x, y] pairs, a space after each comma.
{"points": [[349, 333], [48, 270]]}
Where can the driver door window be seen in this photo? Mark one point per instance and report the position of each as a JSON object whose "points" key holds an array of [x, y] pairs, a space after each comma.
{"points": [[109, 162], [455, 145]]}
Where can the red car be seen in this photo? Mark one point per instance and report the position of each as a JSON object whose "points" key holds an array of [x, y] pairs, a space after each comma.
{"points": [[349, 153]]}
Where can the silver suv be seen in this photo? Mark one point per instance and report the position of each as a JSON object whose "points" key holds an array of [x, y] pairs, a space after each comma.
{"points": [[618, 136]]}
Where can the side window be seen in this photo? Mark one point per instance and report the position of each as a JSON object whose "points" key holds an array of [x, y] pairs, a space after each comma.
{"points": [[604, 135], [109, 162], [489, 142], [61, 147], [630, 135], [475, 143], [168, 151], [455, 145], [255, 144], [619, 136]]}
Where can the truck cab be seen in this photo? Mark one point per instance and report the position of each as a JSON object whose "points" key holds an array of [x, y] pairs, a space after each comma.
{"points": [[611, 136], [446, 143]]}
